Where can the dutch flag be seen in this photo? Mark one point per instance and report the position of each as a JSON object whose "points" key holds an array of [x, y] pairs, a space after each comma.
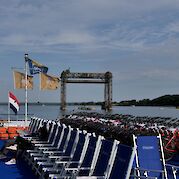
{"points": [[14, 103]]}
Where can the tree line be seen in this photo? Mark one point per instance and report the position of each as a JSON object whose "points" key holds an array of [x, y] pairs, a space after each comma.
{"points": [[166, 100]]}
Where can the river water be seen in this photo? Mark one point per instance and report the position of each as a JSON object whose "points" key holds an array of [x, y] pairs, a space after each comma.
{"points": [[53, 111]]}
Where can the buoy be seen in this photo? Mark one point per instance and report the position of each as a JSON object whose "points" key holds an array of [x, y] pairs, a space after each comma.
{"points": [[2, 130], [4, 136], [12, 130]]}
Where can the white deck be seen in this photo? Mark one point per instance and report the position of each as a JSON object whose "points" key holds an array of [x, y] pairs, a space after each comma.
{"points": [[18, 123]]}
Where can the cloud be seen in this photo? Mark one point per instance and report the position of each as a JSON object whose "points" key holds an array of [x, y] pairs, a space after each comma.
{"points": [[159, 74], [137, 40], [71, 37], [173, 27], [63, 25]]}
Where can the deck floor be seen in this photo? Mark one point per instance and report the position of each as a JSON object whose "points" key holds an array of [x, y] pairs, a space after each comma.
{"points": [[20, 170], [17, 171]]}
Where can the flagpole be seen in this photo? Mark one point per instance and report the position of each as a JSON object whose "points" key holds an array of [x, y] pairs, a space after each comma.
{"points": [[26, 96], [8, 109]]}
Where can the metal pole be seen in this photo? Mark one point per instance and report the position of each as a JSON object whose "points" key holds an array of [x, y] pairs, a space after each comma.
{"points": [[8, 109], [110, 91], [163, 157], [63, 94], [63, 90], [136, 155], [26, 96]]}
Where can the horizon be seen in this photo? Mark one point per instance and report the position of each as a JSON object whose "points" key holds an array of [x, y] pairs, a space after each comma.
{"points": [[40, 102], [137, 41]]}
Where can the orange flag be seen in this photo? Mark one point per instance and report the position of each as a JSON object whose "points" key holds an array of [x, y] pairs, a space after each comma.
{"points": [[20, 82], [48, 82]]}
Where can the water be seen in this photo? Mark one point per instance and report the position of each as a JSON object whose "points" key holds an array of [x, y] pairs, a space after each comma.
{"points": [[53, 111]]}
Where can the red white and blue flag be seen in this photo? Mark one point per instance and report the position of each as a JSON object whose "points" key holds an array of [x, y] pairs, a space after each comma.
{"points": [[14, 103]]}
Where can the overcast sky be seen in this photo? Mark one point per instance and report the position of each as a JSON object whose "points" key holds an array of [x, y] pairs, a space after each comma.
{"points": [[137, 40]]}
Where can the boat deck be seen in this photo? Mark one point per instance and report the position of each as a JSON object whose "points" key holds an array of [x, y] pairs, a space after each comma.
{"points": [[18, 171]]}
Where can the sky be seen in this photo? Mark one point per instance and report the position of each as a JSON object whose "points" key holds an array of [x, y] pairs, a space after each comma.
{"points": [[137, 40]]}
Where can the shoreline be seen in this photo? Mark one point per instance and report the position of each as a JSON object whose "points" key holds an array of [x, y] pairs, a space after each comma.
{"points": [[86, 104]]}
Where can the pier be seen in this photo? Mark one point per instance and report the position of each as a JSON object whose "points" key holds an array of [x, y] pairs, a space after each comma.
{"points": [[98, 78]]}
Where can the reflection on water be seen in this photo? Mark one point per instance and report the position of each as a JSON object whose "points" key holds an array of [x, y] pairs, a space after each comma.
{"points": [[53, 111]]}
